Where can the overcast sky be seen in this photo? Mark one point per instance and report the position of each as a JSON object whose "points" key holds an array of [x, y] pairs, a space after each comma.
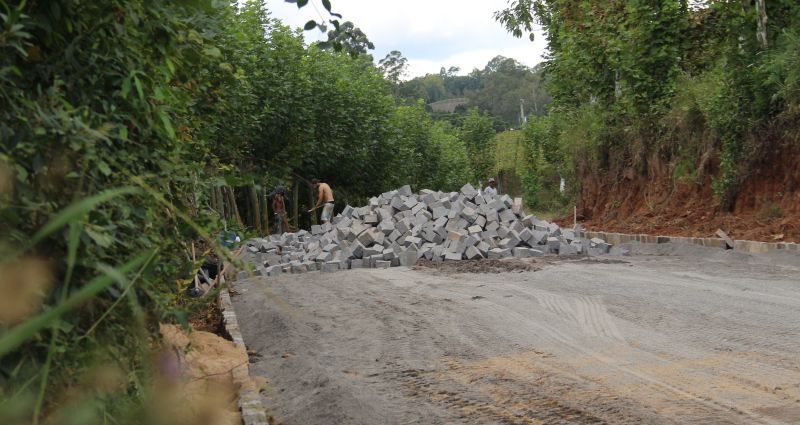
{"points": [[430, 33]]}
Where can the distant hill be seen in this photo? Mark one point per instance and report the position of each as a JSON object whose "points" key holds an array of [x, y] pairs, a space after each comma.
{"points": [[498, 89], [448, 105]]}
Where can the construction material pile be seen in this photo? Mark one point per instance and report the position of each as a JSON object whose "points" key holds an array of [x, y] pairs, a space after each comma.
{"points": [[399, 227]]}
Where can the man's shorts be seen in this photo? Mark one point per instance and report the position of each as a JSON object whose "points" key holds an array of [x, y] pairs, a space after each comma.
{"points": [[327, 212]]}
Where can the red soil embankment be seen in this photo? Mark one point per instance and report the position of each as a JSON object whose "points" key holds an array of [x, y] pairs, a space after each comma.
{"points": [[766, 208]]}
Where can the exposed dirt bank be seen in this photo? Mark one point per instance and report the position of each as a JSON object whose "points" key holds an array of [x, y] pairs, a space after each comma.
{"points": [[656, 201]]}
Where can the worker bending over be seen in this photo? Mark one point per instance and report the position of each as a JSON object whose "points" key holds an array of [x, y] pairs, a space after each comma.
{"points": [[325, 197]]}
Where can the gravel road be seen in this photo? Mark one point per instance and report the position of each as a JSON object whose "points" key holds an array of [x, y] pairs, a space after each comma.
{"points": [[688, 337]]}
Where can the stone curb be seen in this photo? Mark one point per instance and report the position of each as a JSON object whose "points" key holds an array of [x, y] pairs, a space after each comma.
{"points": [[253, 412], [753, 247]]}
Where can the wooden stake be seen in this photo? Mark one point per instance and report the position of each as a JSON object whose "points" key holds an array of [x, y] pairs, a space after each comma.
{"points": [[234, 207], [256, 210]]}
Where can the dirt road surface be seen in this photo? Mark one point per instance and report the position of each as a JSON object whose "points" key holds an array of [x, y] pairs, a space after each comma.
{"points": [[694, 338]]}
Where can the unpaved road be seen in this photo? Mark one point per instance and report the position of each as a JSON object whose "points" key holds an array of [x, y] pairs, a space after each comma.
{"points": [[688, 339]]}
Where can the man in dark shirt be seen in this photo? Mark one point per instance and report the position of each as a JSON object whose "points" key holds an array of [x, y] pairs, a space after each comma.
{"points": [[279, 209]]}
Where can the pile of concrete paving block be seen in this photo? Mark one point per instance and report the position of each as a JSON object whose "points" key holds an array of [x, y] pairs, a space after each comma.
{"points": [[399, 227]]}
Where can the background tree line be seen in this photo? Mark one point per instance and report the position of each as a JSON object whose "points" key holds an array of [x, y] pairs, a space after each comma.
{"points": [[496, 90]]}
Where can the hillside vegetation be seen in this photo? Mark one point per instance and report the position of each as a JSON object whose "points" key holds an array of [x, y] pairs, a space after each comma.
{"points": [[671, 116]]}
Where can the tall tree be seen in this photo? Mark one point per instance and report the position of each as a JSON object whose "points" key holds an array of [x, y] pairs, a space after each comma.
{"points": [[394, 66]]}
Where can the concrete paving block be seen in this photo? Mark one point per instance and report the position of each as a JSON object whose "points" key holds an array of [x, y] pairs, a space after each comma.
{"points": [[468, 191], [516, 206], [456, 235], [367, 237], [483, 248], [375, 258], [299, 268], [499, 253], [528, 220], [409, 204], [272, 259], [408, 258], [413, 240], [370, 251], [526, 235], [578, 246], [507, 216], [356, 263], [594, 251], [473, 253], [566, 249], [469, 214], [474, 229], [452, 256], [430, 198], [724, 236], [382, 264], [386, 227], [522, 252], [405, 191], [489, 235], [502, 231], [553, 243], [622, 251], [510, 241], [329, 267]]}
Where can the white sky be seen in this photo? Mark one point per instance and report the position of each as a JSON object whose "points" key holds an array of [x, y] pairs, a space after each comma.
{"points": [[430, 33]]}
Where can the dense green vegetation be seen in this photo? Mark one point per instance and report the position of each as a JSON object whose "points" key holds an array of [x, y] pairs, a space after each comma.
{"points": [[710, 89], [496, 89], [128, 130]]}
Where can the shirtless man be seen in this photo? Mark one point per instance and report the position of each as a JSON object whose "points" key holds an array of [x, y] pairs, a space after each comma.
{"points": [[325, 196], [279, 208]]}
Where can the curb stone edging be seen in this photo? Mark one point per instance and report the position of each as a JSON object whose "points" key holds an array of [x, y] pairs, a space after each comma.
{"points": [[253, 412], [753, 247]]}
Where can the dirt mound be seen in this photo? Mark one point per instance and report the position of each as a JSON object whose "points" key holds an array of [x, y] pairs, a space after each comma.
{"points": [[767, 207], [197, 383], [478, 266]]}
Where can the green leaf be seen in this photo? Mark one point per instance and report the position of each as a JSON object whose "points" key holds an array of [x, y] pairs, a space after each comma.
{"points": [[104, 168], [327, 5], [310, 25], [126, 88], [76, 210], [301, 3], [139, 89], [213, 52], [167, 124]]}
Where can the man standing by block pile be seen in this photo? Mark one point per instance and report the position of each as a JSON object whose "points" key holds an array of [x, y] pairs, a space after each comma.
{"points": [[279, 208], [325, 197], [491, 189]]}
